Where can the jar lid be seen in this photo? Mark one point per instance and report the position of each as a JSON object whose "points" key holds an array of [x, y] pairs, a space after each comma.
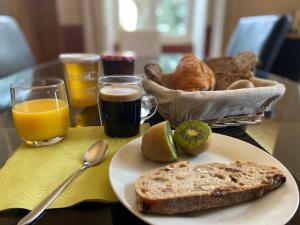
{"points": [[127, 56], [79, 58]]}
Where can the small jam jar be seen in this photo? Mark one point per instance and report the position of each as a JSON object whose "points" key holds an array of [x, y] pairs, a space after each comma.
{"points": [[118, 63]]}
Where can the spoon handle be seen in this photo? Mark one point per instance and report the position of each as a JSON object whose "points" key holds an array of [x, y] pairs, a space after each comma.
{"points": [[47, 201]]}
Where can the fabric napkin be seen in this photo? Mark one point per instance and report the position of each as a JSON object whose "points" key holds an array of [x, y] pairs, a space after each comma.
{"points": [[31, 173]]}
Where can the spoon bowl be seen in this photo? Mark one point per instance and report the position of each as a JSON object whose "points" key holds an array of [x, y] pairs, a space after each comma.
{"points": [[95, 154]]}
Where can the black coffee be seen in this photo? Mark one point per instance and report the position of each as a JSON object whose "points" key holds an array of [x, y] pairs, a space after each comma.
{"points": [[120, 110]]}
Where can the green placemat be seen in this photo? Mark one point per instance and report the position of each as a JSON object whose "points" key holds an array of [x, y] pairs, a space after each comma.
{"points": [[31, 173]]}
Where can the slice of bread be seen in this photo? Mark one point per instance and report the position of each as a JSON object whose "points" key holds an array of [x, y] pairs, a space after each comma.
{"points": [[184, 187]]}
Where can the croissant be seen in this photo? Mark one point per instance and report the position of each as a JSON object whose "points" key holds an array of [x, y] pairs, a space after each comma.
{"points": [[191, 74]]}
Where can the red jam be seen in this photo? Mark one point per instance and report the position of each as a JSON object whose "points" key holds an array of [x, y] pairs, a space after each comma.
{"points": [[116, 64]]}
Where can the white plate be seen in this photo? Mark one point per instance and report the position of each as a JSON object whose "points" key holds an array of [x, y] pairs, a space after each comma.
{"points": [[276, 207]]}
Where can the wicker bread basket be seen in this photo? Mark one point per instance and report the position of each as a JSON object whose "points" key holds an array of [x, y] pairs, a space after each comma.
{"points": [[218, 108]]}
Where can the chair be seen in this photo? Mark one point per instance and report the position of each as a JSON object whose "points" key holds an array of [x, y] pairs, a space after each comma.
{"points": [[287, 63], [15, 54], [143, 43], [262, 35]]}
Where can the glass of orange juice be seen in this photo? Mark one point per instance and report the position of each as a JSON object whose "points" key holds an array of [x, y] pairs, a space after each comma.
{"points": [[40, 110]]}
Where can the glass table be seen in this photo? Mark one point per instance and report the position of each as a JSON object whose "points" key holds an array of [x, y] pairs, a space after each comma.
{"points": [[278, 134]]}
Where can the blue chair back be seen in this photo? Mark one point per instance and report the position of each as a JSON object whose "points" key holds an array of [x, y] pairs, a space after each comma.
{"points": [[15, 53], [262, 35]]}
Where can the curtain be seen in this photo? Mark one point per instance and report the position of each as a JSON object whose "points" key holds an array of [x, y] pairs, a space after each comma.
{"points": [[99, 25]]}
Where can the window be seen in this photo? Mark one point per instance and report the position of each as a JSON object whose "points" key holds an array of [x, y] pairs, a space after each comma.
{"points": [[172, 18], [128, 15]]}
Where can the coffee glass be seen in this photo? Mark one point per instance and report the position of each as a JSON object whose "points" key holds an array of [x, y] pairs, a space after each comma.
{"points": [[123, 106]]}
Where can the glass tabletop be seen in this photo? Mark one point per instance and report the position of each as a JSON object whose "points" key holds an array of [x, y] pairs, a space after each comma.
{"points": [[277, 134]]}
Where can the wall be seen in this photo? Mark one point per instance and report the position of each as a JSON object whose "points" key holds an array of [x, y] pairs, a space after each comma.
{"points": [[241, 8], [68, 12], [70, 23], [38, 21], [5, 7], [50, 27]]}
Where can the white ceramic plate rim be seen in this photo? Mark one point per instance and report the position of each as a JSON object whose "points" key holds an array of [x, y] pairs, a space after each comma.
{"points": [[288, 192]]}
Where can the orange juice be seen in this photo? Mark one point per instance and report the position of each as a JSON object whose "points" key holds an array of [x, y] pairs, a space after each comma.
{"points": [[41, 119], [82, 83]]}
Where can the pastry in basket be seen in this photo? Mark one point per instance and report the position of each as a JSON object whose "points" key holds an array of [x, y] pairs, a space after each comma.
{"points": [[184, 187], [220, 73], [237, 98], [228, 70], [191, 74], [155, 73]]}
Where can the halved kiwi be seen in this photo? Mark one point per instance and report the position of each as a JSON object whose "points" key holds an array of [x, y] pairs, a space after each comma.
{"points": [[192, 136], [158, 144]]}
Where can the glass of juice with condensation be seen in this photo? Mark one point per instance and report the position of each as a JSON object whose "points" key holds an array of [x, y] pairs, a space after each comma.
{"points": [[40, 110]]}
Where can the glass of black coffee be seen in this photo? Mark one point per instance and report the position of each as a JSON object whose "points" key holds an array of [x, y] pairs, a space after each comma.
{"points": [[122, 105]]}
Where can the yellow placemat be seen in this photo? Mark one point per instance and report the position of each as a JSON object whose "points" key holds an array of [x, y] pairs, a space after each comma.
{"points": [[31, 173]]}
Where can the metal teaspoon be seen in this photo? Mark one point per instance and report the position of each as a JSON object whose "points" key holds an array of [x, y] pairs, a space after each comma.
{"points": [[94, 155]]}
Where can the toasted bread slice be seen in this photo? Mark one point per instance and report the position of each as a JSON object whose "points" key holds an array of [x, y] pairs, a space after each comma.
{"points": [[184, 187]]}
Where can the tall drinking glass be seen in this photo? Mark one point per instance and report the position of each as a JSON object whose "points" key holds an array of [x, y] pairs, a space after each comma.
{"points": [[40, 111], [81, 75]]}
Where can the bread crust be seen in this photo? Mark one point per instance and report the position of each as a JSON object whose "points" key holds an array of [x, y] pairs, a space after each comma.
{"points": [[229, 69], [217, 197], [154, 73]]}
